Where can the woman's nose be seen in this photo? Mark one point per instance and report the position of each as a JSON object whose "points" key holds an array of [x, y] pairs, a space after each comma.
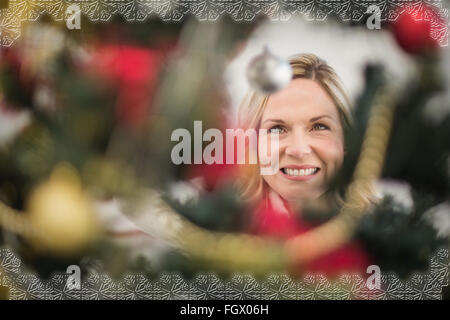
{"points": [[298, 146]]}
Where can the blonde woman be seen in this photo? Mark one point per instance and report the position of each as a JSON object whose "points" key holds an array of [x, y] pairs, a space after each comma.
{"points": [[310, 116]]}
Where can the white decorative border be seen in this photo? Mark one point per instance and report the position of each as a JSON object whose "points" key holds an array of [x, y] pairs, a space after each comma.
{"points": [[23, 284], [11, 19]]}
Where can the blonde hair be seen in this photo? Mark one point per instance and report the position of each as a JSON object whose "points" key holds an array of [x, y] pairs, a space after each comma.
{"points": [[306, 66]]}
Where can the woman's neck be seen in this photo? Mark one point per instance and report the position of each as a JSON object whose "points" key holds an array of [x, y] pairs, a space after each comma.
{"points": [[278, 203]]}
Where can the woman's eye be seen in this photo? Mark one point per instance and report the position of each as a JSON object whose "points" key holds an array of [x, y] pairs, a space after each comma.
{"points": [[276, 130], [320, 126]]}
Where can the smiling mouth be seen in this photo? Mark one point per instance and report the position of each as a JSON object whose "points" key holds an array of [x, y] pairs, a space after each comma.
{"points": [[300, 172]]}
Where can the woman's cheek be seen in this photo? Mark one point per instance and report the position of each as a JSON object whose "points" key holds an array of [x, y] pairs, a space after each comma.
{"points": [[332, 154]]}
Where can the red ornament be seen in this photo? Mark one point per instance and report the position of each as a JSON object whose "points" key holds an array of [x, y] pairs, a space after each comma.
{"points": [[135, 72], [413, 27], [216, 175]]}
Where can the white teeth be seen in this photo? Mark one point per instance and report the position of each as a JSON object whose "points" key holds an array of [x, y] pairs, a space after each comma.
{"points": [[301, 172]]}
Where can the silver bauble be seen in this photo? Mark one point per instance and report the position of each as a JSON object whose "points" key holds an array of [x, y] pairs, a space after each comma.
{"points": [[268, 73]]}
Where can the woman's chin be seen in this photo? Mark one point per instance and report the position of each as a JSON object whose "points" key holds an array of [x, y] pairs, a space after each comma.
{"points": [[295, 191]]}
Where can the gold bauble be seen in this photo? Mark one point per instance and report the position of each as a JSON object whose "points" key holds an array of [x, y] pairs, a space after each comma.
{"points": [[61, 214]]}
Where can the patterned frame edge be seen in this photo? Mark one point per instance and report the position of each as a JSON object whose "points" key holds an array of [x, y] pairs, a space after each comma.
{"points": [[25, 285], [97, 285], [19, 11]]}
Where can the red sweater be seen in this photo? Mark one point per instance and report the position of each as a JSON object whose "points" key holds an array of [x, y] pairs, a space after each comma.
{"points": [[349, 258]]}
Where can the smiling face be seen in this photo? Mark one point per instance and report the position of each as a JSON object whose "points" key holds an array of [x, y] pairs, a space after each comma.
{"points": [[311, 142]]}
